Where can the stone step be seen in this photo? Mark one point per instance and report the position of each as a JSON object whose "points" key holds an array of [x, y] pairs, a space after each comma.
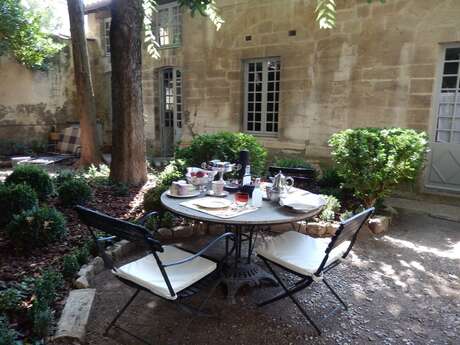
{"points": [[437, 210], [72, 324]]}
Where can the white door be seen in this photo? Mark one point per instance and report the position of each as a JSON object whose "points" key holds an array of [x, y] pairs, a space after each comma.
{"points": [[444, 168], [170, 109]]}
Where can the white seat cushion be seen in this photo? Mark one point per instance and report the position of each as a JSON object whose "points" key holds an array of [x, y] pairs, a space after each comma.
{"points": [[300, 253], [146, 273]]}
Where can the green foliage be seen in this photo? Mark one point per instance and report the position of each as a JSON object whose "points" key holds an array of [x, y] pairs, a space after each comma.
{"points": [[10, 300], [36, 228], [47, 285], [82, 254], [42, 317], [7, 334], [152, 200], [97, 175], [22, 35], [35, 177], [372, 161], [74, 192], [330, 209], [70, 266], [120, 189], [224, 146], [14, 199], [167, 220], [63, 176]]}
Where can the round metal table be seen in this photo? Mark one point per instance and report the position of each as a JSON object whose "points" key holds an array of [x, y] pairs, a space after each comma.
{"points": [[242, 272]]}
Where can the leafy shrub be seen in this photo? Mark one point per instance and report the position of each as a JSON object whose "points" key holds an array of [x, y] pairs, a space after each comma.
{"points": [[152, 200], [292, 162], [97, 175], [10, 300], [174, 171], [42, 317], [7, 334], [82, 254], [372, 161], [63, 176], [14, 199], [330, 209], [47, 285], [224, 146], [74, 191], [120, 189], [35, 177], [36, 227], [330, 179], [70, 266]]}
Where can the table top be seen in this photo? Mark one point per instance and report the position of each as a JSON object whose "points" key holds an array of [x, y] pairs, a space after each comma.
{"points": [[269, 213]]}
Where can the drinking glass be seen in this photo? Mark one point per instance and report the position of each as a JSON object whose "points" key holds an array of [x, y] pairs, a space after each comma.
{"points": [[241, 199]]}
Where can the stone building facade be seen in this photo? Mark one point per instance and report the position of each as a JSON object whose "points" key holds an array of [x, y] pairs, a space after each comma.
{"points": [[271, 71]]}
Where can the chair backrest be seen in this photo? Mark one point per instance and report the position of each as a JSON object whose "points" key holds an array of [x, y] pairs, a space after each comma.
{"points": [[347, 231], [122, 229]]}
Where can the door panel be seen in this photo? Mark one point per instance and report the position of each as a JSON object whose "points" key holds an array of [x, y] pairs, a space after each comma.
{"points": [[444, 167]]}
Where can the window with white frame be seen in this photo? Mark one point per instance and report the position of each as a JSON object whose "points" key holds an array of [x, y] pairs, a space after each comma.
{"points": [[448, 124], [262, 90], [167, 25], [106, 34]]}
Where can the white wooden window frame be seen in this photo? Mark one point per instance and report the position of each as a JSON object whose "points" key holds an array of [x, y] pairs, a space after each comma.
{"points": [[173, 27], [447, 111], [264, 112], [106, 33]]}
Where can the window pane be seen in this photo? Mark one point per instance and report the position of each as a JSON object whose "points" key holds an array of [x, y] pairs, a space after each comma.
{"points": [[269, 117], [449, 82], [456, 138], [269, 127], [452, 53], [443, 137], [275, 127], [250, 126], [251, 77], [270, 97], [457, 124], [451, 68], [251, 87], [258, 116], [251, 67], [446, 110], [444, 123], [250, 117], [269, 107], [258, 97], [259, 87], [447, 96], [271, 86], [257, 127], [251, 97], [259, 66], [258, 107]]}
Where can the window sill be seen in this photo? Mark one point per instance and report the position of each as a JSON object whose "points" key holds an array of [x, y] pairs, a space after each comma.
{"points": [[263, 135], [169, 46]]}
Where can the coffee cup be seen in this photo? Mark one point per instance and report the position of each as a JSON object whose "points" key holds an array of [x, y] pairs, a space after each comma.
{"points": [[218, 187]]}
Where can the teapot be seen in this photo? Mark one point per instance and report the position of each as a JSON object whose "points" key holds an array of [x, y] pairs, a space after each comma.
{"points": [[280, 185]]}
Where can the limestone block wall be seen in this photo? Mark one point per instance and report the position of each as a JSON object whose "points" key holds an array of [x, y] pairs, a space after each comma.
{"points": [[377, 68], [32, 102]]}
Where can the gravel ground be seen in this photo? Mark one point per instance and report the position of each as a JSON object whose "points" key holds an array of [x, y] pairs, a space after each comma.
{"points": [[402, 288]]}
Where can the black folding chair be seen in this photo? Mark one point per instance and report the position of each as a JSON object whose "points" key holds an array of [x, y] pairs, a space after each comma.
{"points": [[309, 258], [168, 272]]}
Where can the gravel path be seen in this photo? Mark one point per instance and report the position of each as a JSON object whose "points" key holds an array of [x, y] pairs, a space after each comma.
{"points": [[403, 288]]}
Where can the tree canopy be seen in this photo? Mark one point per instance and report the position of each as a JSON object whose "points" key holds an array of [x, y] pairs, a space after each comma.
{"points": [[22, 35]]}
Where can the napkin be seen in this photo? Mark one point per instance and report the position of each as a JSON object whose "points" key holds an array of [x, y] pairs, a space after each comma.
{"points": [[303, 201]]}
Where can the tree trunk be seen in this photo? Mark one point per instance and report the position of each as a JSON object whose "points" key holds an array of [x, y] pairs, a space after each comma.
{"points": [[128, 145], [86, 107]]}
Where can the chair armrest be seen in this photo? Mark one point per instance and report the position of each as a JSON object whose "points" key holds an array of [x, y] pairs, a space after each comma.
{"points": [[203, 250], [146, 216]]}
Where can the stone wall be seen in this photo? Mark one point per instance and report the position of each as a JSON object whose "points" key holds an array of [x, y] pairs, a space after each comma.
{"points": [[377, 68], [32, 102]]}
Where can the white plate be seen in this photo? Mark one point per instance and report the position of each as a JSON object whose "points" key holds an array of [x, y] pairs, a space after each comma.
{"points": [[168, 193], [210, 202]]}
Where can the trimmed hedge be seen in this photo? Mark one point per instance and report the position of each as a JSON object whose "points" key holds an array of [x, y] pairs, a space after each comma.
{"points": [[74, 191], [35, 177], [14, 199], [36, 228]]}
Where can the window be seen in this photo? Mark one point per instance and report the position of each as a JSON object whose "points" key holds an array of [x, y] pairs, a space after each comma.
{"points": [[168, 25], [448, 121], [262, 90], [106, 35]]}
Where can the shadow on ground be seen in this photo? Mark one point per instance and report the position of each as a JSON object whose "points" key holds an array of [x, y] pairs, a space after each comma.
{"points": [[402, 288]]}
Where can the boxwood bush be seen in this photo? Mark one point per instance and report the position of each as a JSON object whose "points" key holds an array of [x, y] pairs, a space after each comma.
{"points": [[224, 146], [14, 199], [372, 161], [35, 177], [74, 191], [36, 228]]}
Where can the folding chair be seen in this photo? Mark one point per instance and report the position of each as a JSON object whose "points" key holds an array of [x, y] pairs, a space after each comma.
{"points": [[309, 258], [168, 272]]}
